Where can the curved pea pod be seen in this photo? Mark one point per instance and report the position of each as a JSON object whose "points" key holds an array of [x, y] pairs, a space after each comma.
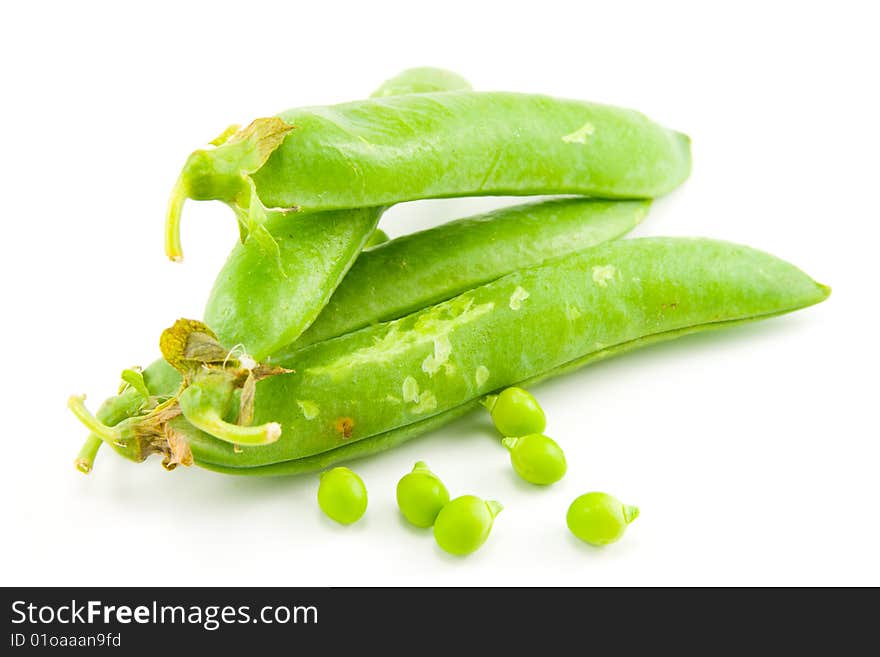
{"points": [[461, 143], [366, 390], [424, 268]]}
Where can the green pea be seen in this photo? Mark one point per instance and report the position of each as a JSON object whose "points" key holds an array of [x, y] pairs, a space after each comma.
{"points": [[421, 495], [536, 458], [599, 518], [342, 495], [516, 413], [463, 525]]}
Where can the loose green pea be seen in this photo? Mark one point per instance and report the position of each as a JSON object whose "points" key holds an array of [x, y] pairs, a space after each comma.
{"points": [[463, 525], [342, 495], [599, 518], [516, 412], [536, 458], [421, 495]]}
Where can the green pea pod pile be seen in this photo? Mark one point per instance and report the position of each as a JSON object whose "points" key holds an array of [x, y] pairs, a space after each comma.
{"points": [[323, 341]]}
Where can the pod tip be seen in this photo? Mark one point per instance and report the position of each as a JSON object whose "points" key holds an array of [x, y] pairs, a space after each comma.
{"points": [[495, 507], [74, 401], [630, 513], [273, 432]]}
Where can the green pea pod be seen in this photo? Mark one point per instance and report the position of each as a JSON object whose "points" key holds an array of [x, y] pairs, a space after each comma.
{"points": [[378, 152], [380, 385], [424, 268]]}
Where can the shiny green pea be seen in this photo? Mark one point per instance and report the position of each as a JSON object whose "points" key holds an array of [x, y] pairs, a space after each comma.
{"points": [[342, 495], [536, 458], [421, 495], [463, 525], [516, 412], [599, 518]]}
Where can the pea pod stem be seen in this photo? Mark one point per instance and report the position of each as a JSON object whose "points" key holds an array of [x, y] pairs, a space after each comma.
{"points": [[209, 421], [76, 403], [204, 404], [160, 380], [173, 247], [85, 460]]}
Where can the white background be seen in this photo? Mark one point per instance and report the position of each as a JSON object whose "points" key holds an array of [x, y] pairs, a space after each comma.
{"points": [[753, 454]]}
